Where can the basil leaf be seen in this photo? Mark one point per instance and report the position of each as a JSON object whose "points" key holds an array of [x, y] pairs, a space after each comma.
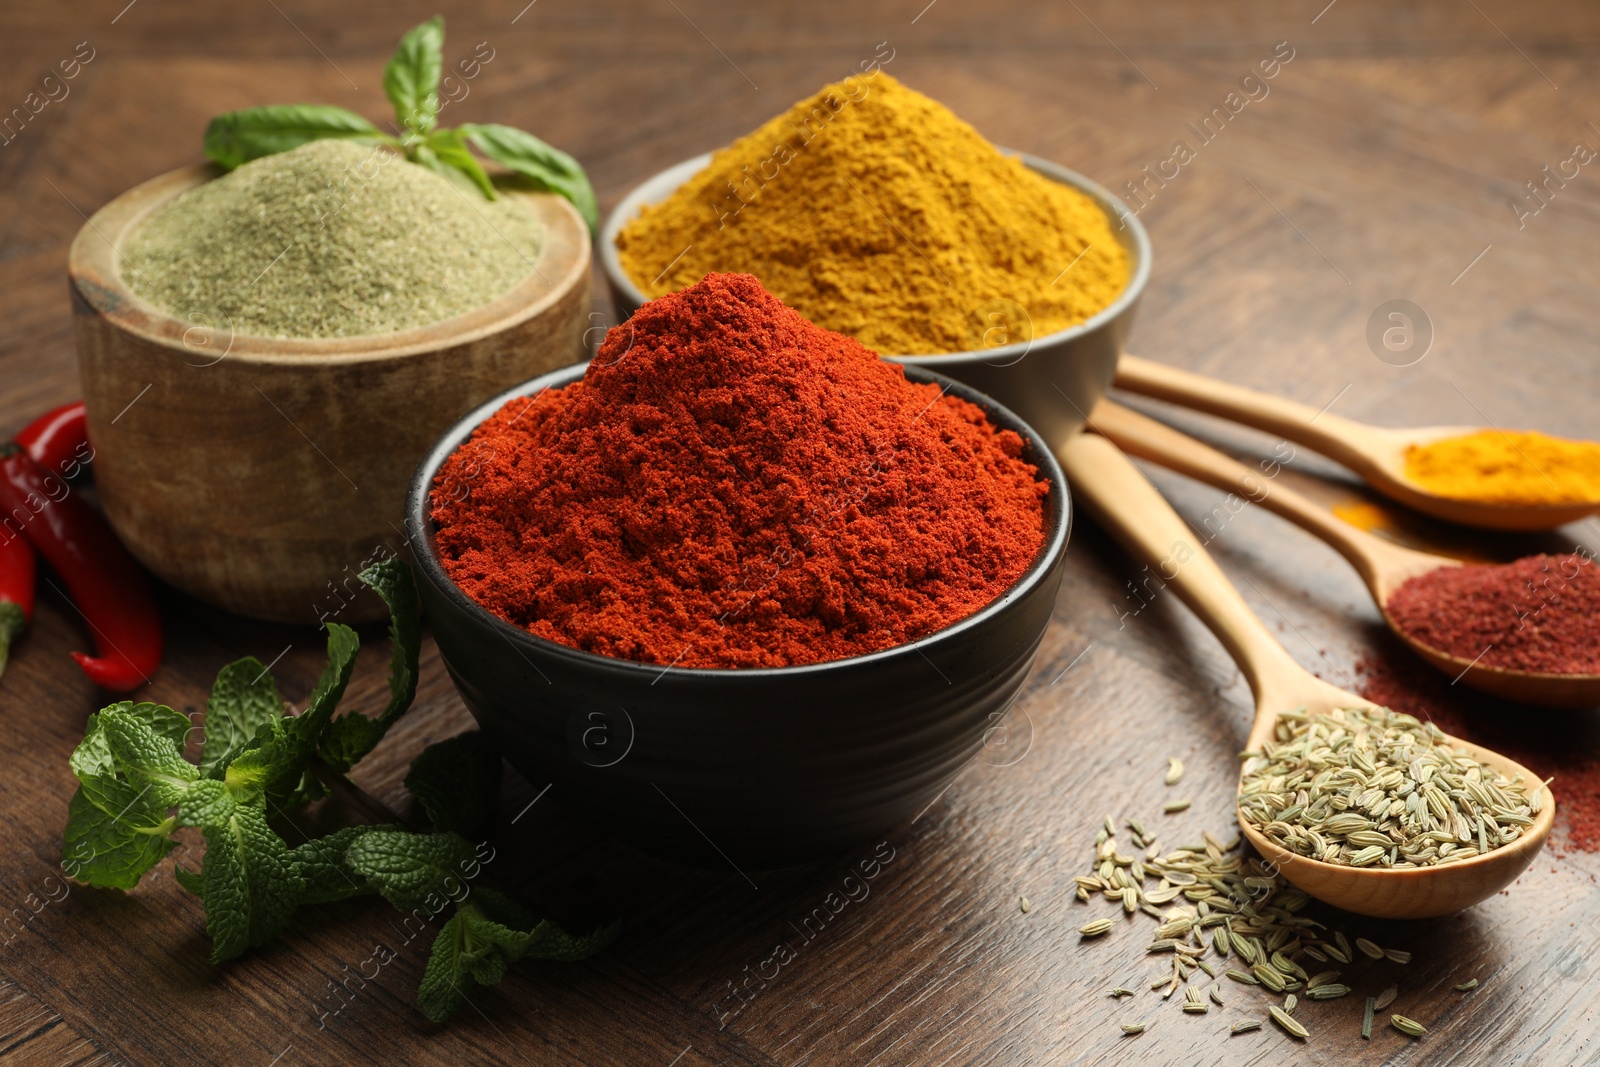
{"points": [[411, 80], [544, 167], [239, 136], [451, 148]]}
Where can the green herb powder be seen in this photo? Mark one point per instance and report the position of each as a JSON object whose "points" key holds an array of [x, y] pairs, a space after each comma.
{"points": [[332, 239]]}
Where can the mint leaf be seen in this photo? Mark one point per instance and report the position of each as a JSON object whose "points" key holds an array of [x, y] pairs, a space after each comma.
{"points": [[322, 865], [114, 836], [411, 80], [207, 803], [115, 831], [240, 136], [471, 949], [250, 883], [457, 782], [547, 941], [352, 736], [450, 148], [173, 725], [275, 762], [193, 881], [414, 872], [542, 166], [145, 758], [243, 699]]}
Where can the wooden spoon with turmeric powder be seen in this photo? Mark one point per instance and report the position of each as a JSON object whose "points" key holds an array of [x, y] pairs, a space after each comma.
{"points": [[1471, 475], [1383, 565], [1111, 489]]}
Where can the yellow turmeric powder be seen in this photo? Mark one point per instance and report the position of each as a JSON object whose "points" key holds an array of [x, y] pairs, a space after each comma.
{"points": [[874, 211], [1508, 467]]}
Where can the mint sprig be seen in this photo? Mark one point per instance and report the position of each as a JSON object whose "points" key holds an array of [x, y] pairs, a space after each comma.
{"points": [[411, 82], [257, 763]]}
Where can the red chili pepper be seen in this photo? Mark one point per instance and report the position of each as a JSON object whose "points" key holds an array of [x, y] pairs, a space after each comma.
{"points": [[16, 590], [58, 440], [106, 584]]}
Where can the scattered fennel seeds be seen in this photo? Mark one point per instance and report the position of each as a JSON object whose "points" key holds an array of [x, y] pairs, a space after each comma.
{"points": [[1366, 1019], [1172, 807], [1025, 905], [1370, 787], [1468, 986], [1245, 1027], [1409, 1027], [1132, 1028], [1288, 1023], [1174, 770], [1212, 899]]}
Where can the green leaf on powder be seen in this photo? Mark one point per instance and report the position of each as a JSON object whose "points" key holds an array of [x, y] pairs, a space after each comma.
{"points": [[239, 136], [411, 80], [544, 167], [450, 148]]}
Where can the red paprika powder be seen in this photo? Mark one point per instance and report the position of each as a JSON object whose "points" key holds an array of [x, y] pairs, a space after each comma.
{"points": [[731, 486], [1535, 614]]}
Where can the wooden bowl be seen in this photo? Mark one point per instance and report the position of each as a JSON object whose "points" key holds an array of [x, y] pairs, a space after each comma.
{"points": [[260, 474]]}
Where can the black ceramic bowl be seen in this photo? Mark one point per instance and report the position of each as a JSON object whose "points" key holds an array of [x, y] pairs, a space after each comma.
{"points": [[751, 768]]}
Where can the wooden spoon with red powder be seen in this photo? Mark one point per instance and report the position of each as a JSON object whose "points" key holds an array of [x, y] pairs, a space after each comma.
{"points": [[1524, 631]]}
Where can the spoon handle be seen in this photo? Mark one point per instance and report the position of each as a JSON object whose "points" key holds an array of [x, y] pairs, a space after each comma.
{"points": [[1354, 444], [1124, 502], [1380, 563]]}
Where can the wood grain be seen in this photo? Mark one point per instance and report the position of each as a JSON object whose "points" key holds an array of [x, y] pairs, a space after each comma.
{"points": [[1377, 168]]}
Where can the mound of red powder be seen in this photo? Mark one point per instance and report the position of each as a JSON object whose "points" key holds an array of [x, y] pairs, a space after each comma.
{"points": [[731, 486], [1535, 614]]}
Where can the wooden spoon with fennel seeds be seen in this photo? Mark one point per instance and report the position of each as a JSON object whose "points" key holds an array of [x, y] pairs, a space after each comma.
{"points": [[1127, 506]]}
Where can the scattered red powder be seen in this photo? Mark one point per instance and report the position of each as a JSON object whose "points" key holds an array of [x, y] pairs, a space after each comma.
{"points": [[1562, 744], [731, 486], [1536, 614]]}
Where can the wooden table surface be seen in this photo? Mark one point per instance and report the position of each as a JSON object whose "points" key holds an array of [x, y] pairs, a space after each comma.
{"points": [[1380, 165]]}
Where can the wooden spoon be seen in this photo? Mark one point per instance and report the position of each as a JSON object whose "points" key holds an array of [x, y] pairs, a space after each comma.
{"points": [[1113, 491], [1384, 566], [1377, 454]]}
